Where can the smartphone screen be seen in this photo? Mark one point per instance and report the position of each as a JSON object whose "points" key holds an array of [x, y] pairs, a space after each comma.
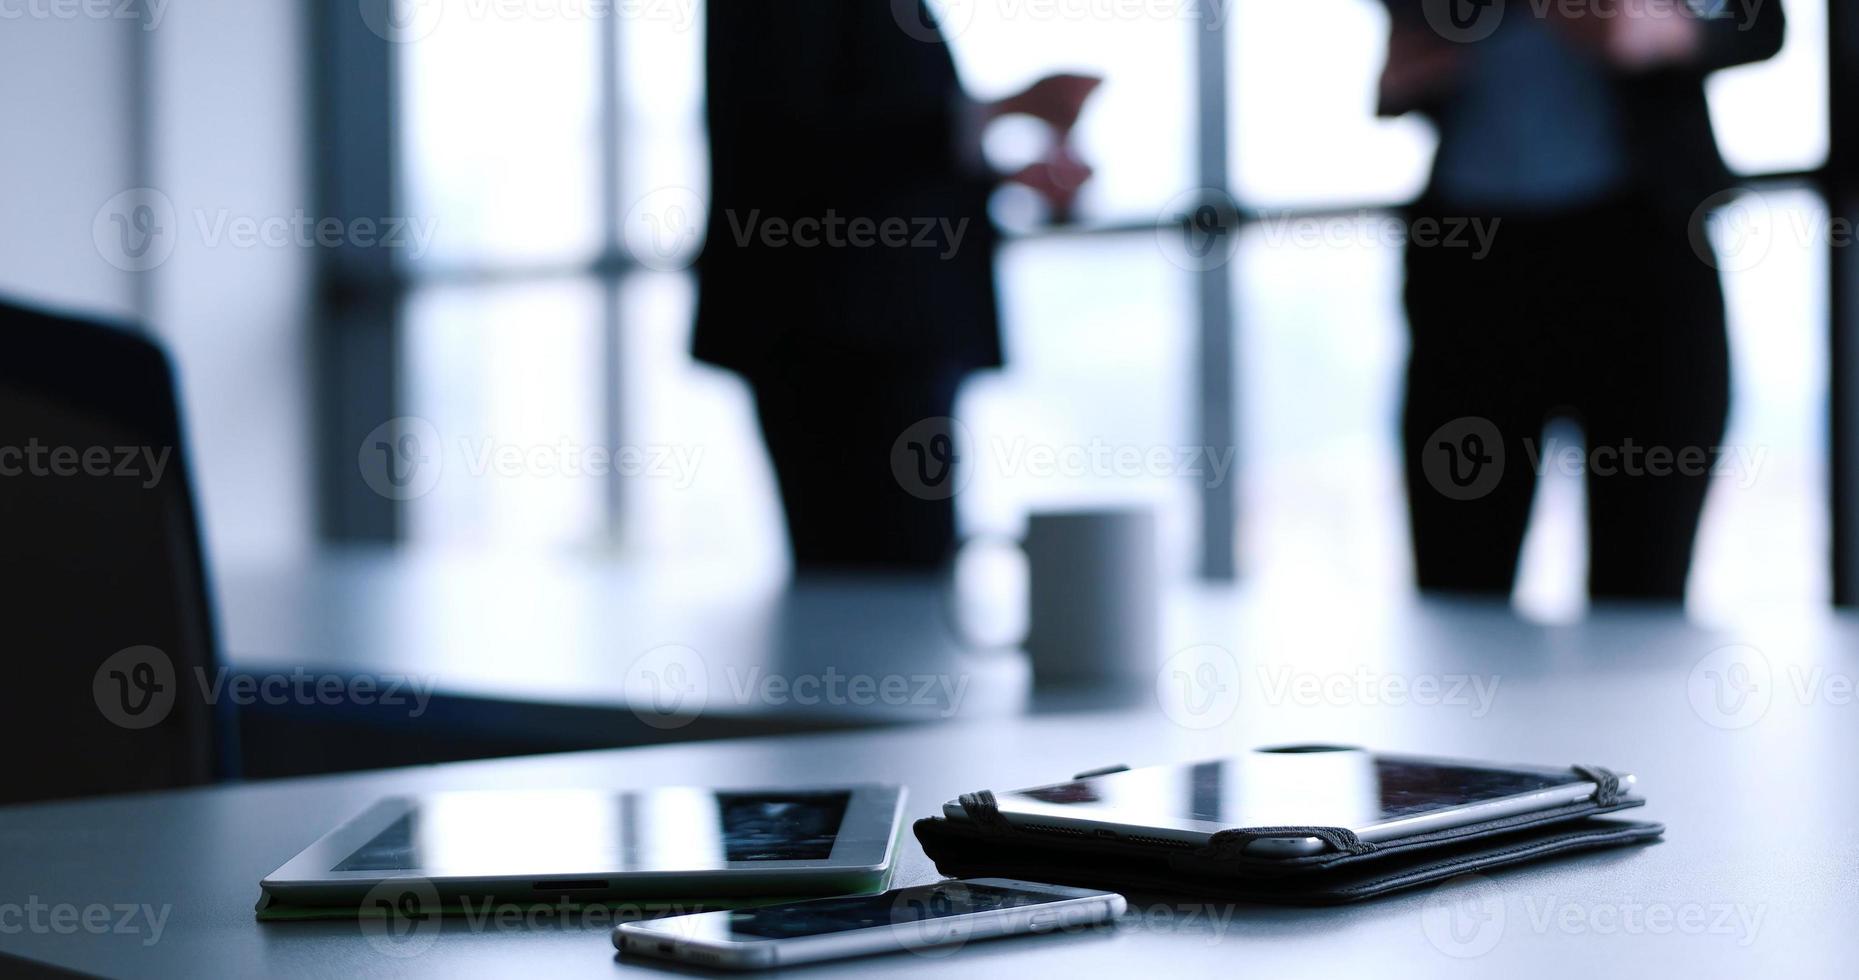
{"points": [[938, 901], [941, 900]]}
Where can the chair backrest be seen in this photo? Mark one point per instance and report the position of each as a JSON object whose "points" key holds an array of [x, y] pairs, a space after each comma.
{"points": [[107, 645]]}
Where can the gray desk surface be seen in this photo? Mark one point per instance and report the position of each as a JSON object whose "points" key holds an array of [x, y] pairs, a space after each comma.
{"points": [[1759, 873], [591, 632]]}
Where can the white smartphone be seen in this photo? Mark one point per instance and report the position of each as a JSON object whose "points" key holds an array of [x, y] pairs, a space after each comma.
{"points": [[933, 920], [1379, 797]]}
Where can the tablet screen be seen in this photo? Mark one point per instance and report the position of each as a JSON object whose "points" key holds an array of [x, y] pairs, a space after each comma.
{"points": [[1331, 788], [570, 832]]}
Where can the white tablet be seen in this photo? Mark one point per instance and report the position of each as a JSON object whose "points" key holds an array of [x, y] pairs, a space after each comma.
{"points": [[594, 844]]}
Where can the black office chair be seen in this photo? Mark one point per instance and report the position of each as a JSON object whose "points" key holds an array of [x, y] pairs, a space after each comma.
{"points": [[107, 649]]}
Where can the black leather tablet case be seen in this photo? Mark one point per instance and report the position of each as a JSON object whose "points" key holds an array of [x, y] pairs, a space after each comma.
{"points": [[1348, 869]]}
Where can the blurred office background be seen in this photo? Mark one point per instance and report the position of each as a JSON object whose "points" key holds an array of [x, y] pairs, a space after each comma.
{"points": [[528, 136]]}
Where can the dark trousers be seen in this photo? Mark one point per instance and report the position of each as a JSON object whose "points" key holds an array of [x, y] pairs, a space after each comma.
{"points": [[1605, 316], [845, 438]]}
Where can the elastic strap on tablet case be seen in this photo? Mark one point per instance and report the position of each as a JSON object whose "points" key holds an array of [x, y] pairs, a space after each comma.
{"points": [[984, 812], [1606, 783], [1230, 843]]}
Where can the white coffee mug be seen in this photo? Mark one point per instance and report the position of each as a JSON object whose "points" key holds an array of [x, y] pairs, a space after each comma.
{"points": [[1094, 597]]}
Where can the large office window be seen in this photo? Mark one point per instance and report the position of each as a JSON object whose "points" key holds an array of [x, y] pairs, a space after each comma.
{"points": [[562, 162], [1323, 339], [532, 313]]}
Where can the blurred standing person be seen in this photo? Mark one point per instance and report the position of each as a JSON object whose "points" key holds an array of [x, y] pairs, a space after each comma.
{"points": [[1581, 131], [847, 270]]}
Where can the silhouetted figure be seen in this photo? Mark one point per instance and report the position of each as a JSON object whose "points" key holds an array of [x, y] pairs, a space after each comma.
{"points": [[847, 272], [1585, 136]]}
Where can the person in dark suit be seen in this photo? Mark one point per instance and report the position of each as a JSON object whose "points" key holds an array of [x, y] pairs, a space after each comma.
{"points": [[1583, 135], [847, 270]]}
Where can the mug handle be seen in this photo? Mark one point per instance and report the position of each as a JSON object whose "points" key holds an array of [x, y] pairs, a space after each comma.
{"points": [[951, 607]]}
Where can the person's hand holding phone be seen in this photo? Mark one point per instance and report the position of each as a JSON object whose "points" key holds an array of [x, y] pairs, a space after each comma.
{"points": [[1056, 178], [1636, 35], [1056, 100]]}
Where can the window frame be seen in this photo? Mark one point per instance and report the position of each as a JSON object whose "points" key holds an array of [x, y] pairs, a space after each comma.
{"points": [[359, 356]]}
